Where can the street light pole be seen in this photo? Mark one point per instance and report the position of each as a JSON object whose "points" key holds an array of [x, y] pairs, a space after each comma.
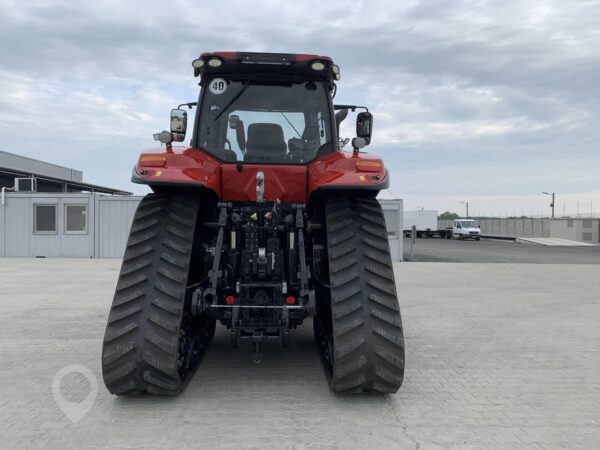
{"points": [[467, 205], [551, 204]]}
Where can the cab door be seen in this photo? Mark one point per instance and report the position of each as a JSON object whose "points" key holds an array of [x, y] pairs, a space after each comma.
{"points": [[457, 228]]}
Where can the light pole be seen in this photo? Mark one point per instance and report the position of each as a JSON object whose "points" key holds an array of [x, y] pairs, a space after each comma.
{"points": [[467, 204], [551, 204]]}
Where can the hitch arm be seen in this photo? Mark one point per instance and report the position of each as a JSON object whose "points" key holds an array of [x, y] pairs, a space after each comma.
{"points": [[215, 272]]}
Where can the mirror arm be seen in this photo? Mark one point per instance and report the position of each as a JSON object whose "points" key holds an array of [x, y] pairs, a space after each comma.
{"points": [[352, 108], [189, 105]]}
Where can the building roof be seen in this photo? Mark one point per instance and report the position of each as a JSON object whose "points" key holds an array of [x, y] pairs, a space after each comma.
{"points": [[386, 194], [22, 166]]}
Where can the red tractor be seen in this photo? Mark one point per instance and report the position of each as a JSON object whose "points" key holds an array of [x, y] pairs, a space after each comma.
{"points": [[260, 224]]}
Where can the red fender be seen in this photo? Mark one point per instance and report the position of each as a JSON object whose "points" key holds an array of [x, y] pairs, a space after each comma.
{"points": [[191, 167]]}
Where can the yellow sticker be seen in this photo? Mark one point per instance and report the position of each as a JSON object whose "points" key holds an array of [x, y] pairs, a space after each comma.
{"points": [[158, 173], [362, 178]]}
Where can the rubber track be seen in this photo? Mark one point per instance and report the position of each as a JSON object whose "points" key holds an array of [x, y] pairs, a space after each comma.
{"points": [[140, 347], [368, 344]]}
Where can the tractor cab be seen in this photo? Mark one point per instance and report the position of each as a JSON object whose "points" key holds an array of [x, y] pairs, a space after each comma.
{"points": [[265, 108], [265, 121]]}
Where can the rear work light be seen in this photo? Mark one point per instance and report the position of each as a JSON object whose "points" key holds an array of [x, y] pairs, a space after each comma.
{"points": [[317, 65], [336, 71], [153, 160], [215, 62], [198, 63]]}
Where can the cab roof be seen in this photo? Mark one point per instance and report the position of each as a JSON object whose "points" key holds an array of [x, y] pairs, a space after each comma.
{"points": [[312, 66]]}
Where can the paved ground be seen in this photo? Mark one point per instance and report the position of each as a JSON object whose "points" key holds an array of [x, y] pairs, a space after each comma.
{"points": [[498, 251], [557, 242], [498, 356]]}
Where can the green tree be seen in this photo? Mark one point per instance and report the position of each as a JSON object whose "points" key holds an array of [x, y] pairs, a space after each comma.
{"points": [[447, 215]]}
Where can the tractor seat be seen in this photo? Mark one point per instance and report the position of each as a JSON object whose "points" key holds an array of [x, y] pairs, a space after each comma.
{"points": [[265, 142]]}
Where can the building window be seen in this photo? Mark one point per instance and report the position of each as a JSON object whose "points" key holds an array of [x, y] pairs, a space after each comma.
{"points": [[44, 219], [75, 219], [570, 223], [586, 223], [391, 221]]}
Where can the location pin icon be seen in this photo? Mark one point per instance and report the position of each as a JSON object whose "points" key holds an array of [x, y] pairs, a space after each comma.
{"points": [[74, 410]]}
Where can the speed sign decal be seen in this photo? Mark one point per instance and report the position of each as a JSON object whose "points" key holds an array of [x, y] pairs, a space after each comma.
{"points": [[217, 86]]}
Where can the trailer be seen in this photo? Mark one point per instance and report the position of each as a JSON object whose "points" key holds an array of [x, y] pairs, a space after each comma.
{"points": [[425, 223]]}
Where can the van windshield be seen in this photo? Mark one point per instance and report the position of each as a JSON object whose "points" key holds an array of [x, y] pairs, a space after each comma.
{"points": [[468, 224], [265, 121]]}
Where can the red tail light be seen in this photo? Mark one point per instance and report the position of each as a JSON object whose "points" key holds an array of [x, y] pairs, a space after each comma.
{"points": [[230, 299], [290, 300]]}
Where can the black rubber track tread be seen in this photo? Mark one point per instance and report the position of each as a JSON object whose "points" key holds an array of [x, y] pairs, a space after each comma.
{"points": [[368, 343], [140, 349]]}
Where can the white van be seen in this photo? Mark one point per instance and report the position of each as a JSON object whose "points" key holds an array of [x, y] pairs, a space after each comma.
{"points": [[466, 228]]}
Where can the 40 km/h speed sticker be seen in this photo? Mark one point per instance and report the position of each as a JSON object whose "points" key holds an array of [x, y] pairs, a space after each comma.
{"points": [[217, 86]]}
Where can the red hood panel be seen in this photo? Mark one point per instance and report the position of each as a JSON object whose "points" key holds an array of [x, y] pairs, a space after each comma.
{"points": [[286, 183]]}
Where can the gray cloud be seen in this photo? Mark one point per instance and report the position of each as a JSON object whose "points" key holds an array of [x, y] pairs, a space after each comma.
{"points": [[501, 98]]}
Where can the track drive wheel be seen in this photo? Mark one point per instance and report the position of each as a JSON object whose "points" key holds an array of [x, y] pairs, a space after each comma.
{"points": [[152, 344], [359, 329]]}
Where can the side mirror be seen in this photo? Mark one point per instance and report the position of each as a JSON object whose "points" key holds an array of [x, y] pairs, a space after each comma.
{"points": [[235, 123], [178, 124], [364, 126], [339, 118]]}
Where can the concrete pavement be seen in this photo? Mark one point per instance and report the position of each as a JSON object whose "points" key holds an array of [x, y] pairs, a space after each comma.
{"points": [[499, 251], [498, 356]]}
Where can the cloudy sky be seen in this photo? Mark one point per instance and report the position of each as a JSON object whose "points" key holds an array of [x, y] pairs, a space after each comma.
{"points": [[485, 101]]}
